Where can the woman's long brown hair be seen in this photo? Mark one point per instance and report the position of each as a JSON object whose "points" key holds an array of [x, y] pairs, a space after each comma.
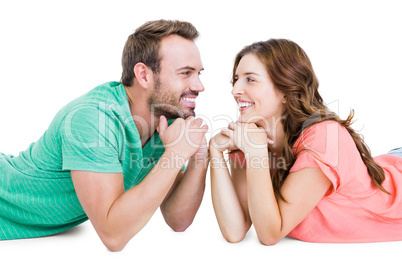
{"points": [[291, 72]]}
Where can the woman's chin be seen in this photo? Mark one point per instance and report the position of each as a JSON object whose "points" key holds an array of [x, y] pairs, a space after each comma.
{"points": [[241, 120], [245, 120], [259, 120]]}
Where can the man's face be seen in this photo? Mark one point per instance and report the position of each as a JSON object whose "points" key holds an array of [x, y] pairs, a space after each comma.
{"points": [[178, 83]]}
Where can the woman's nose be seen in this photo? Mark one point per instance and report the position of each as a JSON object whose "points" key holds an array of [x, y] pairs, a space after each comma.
{"points": [[237, 90]]}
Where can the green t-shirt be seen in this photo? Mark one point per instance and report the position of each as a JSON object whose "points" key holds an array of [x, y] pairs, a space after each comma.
{"points": [[95, 132]]}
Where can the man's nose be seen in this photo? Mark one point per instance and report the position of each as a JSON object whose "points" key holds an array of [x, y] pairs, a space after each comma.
{"points": [[196, 85]]}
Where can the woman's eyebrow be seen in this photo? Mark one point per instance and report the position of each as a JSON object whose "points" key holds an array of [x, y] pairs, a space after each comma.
{"points": [[248, 73]]}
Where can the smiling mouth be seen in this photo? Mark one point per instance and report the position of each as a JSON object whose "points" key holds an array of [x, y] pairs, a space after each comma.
{"points": [[245, 104], [188, 99], [189, 102]]}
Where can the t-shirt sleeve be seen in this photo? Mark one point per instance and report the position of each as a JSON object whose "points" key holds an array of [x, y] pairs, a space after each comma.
{"points": [[91, 140], [318, 146], [238, 157]]}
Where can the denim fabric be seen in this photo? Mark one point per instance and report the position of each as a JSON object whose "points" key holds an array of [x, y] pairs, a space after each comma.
{"points": [[396, 151]]}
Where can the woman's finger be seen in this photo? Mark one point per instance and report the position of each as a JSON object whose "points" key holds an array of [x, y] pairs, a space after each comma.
{"points": [[226, 132], [269, 141], [230, 126]]}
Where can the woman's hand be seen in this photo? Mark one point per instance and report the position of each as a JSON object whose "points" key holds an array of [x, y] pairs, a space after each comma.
{"points": [[221, 143], [248, 137]]}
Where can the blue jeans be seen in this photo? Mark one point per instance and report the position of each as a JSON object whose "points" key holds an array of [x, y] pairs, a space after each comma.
{"points": [[396, 151]]}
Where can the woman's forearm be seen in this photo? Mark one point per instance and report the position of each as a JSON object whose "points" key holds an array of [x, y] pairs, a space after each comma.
{"points": [[263, 207], [228, 210]]}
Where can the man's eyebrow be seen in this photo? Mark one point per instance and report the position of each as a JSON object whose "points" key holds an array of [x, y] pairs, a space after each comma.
{"points": [[188, 68]]}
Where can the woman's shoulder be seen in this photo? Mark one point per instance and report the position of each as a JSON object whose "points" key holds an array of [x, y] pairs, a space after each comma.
{"points": [[320, 136], [321, 128]]}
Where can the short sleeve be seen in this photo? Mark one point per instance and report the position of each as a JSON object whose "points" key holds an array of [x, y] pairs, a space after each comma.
{"points": [[238, 157], [318, 146], [307, 159], [91, 140]]}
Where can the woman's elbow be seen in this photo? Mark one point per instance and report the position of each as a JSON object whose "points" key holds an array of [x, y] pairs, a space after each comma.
{"points": [[268, 241], [234, 237]]}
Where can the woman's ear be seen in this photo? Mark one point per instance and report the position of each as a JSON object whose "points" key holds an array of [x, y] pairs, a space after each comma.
{"points": [[142, 74], [284, 99]]}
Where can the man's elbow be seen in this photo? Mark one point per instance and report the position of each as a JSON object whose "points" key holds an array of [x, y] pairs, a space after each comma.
{"points": [[180, 226], [113, 242], [114, 247]]}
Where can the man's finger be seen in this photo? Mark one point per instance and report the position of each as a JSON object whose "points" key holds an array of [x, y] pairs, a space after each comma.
{"points": [[163, 124]]}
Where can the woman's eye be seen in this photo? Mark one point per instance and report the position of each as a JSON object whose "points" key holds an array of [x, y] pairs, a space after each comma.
{"points": [[250, 79]]}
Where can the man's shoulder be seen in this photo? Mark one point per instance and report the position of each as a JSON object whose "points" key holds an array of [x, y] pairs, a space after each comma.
{"points": [[105, 96], [101, 103], [109, 92]]}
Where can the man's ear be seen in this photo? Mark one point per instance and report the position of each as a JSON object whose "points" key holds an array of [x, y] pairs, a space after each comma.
{"points": [[142, 74]]}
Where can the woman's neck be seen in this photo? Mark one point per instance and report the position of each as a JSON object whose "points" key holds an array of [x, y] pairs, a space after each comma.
{"points": [[276, 133]]}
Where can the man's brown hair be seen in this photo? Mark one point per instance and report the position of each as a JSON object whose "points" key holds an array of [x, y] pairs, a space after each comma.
{"points": [[143, 45]]}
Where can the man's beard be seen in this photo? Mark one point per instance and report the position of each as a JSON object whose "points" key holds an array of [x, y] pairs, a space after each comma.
{"points": [[163, 102]]}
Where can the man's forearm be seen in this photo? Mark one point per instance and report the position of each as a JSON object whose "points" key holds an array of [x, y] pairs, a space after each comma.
{"points": [[133, 209], [183, 203]]}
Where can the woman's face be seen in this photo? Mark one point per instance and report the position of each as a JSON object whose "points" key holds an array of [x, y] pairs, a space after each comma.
{"points": [[259, 102]]}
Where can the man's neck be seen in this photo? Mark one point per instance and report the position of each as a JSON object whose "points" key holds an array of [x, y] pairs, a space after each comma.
{"points": [[145, 122]]}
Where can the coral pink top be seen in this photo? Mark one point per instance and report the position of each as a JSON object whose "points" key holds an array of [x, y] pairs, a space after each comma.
{"points": [[354, 210]]}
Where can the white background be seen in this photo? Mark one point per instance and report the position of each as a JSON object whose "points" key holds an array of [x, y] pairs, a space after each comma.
{"points": [[53, 51]]}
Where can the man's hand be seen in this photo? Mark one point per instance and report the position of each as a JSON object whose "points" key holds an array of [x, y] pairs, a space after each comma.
{"points": [[202, 152], [183, 137]]}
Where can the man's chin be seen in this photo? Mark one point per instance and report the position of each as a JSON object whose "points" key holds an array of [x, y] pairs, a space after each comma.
{"points": [[189, 113], [184, 116], [174, 115]]}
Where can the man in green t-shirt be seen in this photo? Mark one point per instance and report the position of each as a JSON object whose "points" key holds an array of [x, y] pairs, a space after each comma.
{"points": [[117, 153]]}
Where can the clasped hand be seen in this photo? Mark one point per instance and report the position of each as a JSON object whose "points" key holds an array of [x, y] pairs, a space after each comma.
{"points": [[184, 137], [247, 137]]}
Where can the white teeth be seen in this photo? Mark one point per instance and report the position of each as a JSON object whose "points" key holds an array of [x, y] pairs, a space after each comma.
{"points": [[245, 104], [189, 99]]}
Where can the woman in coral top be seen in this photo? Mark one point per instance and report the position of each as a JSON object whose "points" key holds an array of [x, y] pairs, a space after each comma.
{"points": [[296, 168]]}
